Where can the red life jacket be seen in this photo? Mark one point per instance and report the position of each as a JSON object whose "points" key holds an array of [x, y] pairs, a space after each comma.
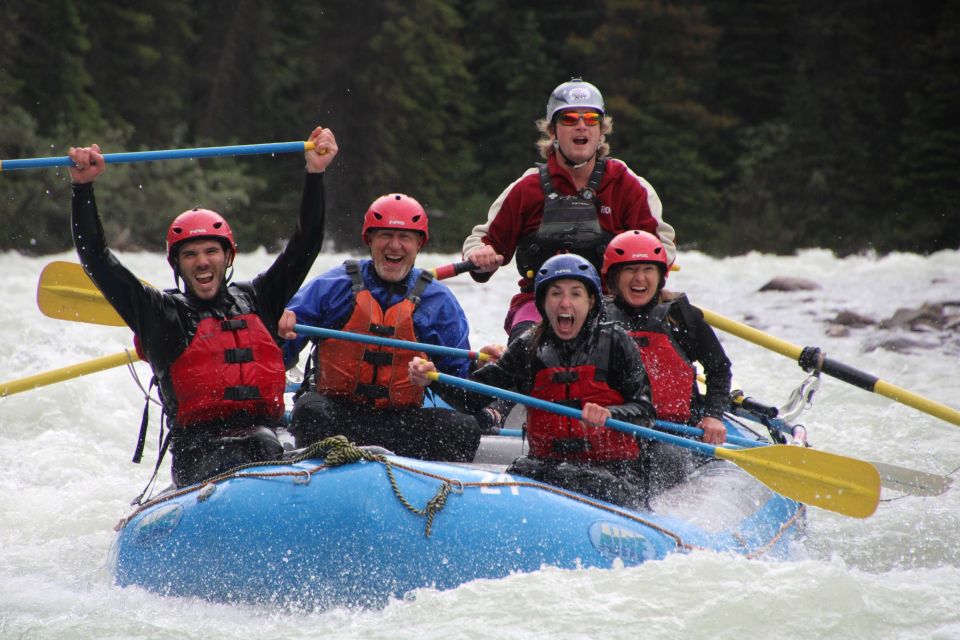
{"points": [[368, 373], [560, 438], [232, 365], [672, 376]]}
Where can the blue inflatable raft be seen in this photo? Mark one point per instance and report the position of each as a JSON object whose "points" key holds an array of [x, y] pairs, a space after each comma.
{"points": [[321, 533]]}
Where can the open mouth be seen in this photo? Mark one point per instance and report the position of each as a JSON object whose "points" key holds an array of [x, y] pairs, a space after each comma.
{"points": [[565, 321], [581, 140], [204, 277], [393, 259]]}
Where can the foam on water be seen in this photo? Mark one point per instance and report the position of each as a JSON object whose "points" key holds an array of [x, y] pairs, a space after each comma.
{"points": [[66, 479]]}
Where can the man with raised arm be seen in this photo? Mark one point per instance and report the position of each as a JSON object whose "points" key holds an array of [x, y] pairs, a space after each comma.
{"points": [[212, 344]]}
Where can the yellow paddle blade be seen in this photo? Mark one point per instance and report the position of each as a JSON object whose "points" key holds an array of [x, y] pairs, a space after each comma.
{"points": [[826, 480], [66, 373], [66, 292]]}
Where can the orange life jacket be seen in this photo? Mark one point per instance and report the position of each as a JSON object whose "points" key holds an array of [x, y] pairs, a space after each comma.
{"points": [[369, 373]]}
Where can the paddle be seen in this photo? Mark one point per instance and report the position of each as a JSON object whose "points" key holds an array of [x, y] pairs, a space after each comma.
{"points": [[417, 347], [66, 373], [811, 358], [902, 479], [165, 154], [66, 292], [826, 480], [451, 270]]}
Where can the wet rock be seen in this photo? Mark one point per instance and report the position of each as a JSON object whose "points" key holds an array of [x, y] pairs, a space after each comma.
{"points": [[928, 316], [785, 283], [837, 331], [902, 345], [852, 319]]}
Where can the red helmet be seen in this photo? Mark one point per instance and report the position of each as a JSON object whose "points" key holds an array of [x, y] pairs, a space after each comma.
{"points": [[197, 223], [395, 211], [635, 246]]}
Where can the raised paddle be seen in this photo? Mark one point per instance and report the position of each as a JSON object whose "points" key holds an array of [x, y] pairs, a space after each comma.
{"points": [[812, 358], [826, 480], [66, 292], [128, 356], [164, 154]]}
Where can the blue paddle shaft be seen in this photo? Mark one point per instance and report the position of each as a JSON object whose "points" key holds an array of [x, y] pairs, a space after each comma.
{"points": [[165, 154], [432, 349], [570, 412], [438, 350]]}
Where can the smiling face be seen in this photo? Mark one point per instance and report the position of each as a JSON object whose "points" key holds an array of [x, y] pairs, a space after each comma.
{"points": [[203, 266], [637, 283], [578, 142], [567, 304], [394, 252]]}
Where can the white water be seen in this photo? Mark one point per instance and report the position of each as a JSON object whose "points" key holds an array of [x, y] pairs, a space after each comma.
{"points": [[66, 478]]}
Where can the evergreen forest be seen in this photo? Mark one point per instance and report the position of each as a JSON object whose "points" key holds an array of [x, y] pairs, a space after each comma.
{"points": [[767, 125]]}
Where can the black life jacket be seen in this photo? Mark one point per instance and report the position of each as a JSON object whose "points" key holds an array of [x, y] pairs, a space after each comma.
{"points": [[570, 225]]}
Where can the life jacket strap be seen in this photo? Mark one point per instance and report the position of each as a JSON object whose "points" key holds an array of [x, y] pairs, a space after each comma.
{"points": [[238, 356], [242, 392]]}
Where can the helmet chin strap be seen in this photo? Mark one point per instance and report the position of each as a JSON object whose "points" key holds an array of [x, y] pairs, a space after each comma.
{"points": [[570, 163]]}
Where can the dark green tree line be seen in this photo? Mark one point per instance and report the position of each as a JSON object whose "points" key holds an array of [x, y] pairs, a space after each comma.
{"points": [[768, 125]]}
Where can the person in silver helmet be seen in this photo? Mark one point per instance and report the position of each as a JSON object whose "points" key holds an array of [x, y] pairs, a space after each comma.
{"points": [[574, 203]]}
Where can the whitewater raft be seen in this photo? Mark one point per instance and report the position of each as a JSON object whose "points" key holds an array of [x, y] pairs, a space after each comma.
{"points": [[322, 533]]}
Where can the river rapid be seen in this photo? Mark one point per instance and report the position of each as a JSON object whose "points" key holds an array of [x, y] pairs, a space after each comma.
{"points": [[66, 479]]}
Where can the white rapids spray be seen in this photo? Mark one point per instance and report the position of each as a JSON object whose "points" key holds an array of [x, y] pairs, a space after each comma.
{"points": [[67, 478]]}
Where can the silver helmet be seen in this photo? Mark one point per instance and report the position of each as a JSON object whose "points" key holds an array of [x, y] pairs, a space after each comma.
{"points": [[575, 93]]}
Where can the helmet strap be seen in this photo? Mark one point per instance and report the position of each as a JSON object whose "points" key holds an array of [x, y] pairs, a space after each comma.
{"points": [[566, 160]]}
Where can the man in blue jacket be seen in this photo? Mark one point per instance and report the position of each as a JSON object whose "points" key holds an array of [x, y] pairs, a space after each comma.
{"points": [[363, 391]]}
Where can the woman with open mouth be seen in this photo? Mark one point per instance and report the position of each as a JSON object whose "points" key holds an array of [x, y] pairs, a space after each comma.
{"points": [[573, 358]]}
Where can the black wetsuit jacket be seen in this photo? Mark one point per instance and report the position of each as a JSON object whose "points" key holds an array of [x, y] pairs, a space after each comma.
{"points": [[165, 322], [520, 363]]}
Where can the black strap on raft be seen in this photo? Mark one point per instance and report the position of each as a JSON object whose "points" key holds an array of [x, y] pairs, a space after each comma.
{"points": [[144, 421], [162, 444]]}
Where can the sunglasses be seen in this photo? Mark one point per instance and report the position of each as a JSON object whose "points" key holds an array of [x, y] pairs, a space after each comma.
{"points": [[571, 118]]}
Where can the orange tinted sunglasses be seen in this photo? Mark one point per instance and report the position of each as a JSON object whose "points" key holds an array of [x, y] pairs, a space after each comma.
{"points": [[571, 118]]}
